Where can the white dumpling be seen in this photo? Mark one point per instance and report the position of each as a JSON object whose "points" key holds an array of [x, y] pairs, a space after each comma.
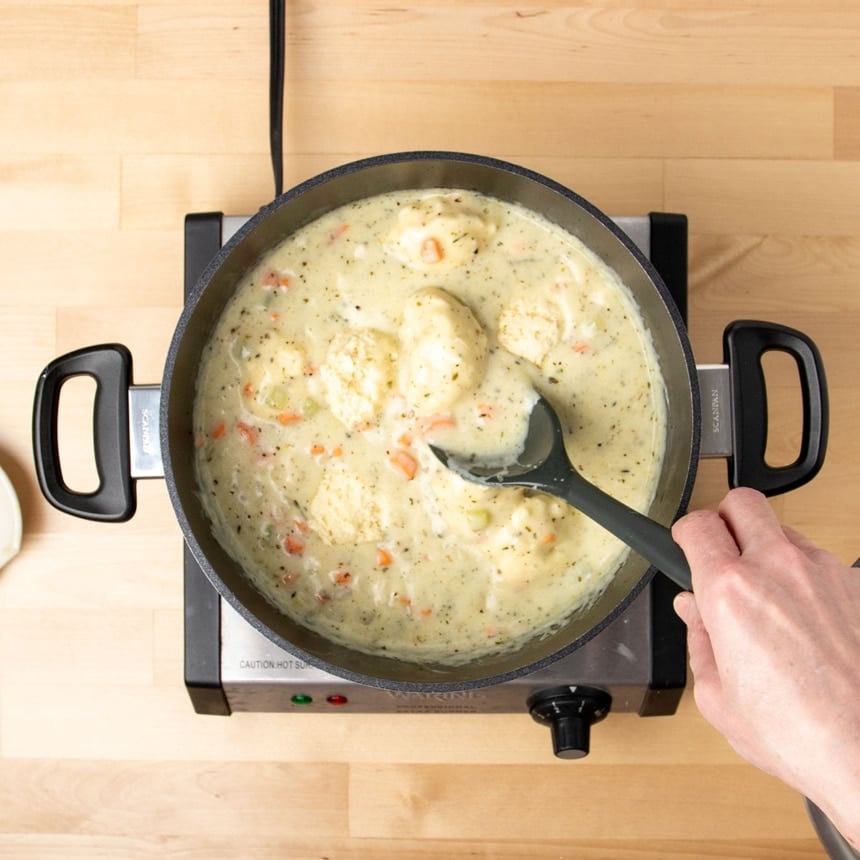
{"points": [[274, 371], [440, 232], [524, 536], [531, 328], [358, 374], [444, 350], [345, 509]]}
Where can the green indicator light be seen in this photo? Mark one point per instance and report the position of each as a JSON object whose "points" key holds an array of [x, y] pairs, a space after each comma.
{"points": [[301, 699]]}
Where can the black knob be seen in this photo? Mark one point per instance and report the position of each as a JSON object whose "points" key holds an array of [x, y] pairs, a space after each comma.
{"points": [[570, 712]]}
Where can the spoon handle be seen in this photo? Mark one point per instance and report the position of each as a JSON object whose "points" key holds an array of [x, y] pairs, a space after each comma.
{"points": [[652, 540]]}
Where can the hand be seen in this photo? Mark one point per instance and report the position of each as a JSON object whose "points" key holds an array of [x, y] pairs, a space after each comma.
{"points": [[774, 641]]}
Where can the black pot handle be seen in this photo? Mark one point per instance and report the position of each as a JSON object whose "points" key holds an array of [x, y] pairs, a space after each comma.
{"points": [[110, 366], [744, 344]]}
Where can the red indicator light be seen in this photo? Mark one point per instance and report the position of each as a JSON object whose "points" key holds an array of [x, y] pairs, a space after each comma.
{"points": [[337, 699]]}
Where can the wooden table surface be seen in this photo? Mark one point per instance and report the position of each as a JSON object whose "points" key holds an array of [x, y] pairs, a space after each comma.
{"points": [[116, 119]]}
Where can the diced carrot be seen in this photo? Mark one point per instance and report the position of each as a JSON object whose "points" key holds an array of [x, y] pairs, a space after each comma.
{"points": [[431, 250], [249, 433], [248, 389], [404, 600], [336, 232], [199, 441], [218, 430], [317, 450], [580, 347], [277, 280], [485, 410], [405, 440], [383, 557], [275, 316], [404, 462], [426, 612], [302, 526], [294, 545], [548, 538], [342, 577], [433, 423], [364, 426], [287, 418], [337, 451]]}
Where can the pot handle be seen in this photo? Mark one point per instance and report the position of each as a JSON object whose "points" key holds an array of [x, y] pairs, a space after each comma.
{"points": [[744, 344], [110, 366]]}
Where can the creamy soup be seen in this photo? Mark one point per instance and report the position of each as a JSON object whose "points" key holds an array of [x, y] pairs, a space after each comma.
{"points": [[395, 321]]}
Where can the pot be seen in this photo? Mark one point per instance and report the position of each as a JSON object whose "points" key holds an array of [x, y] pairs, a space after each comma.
{"points": [[169, 449]]}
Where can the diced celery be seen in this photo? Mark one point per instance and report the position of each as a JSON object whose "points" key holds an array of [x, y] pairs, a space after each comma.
{"points": [[478, 519], [277, 398]]}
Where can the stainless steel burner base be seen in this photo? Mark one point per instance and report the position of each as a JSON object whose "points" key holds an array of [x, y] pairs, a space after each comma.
{"points": [[256, 675]]}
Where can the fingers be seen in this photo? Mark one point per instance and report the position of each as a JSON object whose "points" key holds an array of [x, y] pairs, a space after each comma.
{"points": [[685, 607], [744, 523], [750, 518], [702, 661], [706, 540], [800, 541]]}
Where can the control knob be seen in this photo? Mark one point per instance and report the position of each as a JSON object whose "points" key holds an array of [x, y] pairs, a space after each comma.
{"points": [[570, 712]]}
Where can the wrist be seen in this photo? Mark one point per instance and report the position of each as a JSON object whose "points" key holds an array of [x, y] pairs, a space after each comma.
{"points": [[846, 819], [839, 800]]}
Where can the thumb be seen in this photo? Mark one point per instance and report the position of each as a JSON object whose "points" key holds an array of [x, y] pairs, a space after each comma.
{"points": [[702, 661], [685, 607]]}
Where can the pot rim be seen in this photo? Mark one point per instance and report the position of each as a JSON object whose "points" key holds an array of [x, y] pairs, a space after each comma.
{"points": [[234, 248]]}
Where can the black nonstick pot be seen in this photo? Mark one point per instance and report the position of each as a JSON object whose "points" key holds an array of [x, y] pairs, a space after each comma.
{"points": [[147, 430]]}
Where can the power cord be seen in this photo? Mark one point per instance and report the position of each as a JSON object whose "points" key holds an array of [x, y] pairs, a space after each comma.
{"points": [[276, 90]]}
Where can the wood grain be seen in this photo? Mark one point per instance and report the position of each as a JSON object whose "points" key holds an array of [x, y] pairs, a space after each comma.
{"points": [[89, 41], [729, 43], [54, 190], [565, 803], [846, 131], [116, 119]]}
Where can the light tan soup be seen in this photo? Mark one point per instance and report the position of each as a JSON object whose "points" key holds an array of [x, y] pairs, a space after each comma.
{"points": [[400, 319]]}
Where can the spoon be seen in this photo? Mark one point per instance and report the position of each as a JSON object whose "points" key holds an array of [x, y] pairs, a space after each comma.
{"points": [[543, 464]]}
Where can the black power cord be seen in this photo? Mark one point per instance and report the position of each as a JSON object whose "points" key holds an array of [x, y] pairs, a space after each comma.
{"points": [[276, 90]]}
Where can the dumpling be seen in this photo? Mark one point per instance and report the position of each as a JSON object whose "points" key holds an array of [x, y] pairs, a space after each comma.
{"points": [[345, 510], [524, 536], [531, 328], [273, 380], [358, 374], [440, 232], [443, 350]]}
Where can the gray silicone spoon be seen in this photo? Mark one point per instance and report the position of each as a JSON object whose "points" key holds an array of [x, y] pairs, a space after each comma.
{"points": [[543, 465]]}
